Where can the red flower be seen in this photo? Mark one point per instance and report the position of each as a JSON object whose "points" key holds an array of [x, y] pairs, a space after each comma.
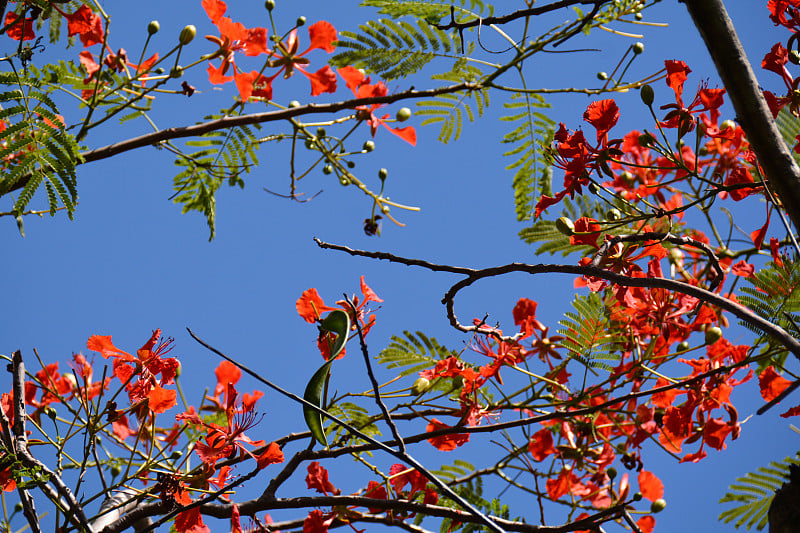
{"points": [[361, 87], [87, 24], [272, 455], [223, 441], [771, 384], [680, 115], [22, 29], [322, 35], [376, 491], [445, 443], [650, 486], [317, 522], [317, 479], [541, 444], [400, 476]]}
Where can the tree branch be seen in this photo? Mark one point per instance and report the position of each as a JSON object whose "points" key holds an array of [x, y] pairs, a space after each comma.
{"points": [[752, 112]]}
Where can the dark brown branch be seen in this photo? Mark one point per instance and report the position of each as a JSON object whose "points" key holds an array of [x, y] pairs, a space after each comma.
{"points": [[522, 13], [20, 438], [752, 112], [151, 139], [473, 275]]}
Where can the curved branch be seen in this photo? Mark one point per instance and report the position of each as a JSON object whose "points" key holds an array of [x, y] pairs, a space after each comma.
{"points": [[473, 275]]}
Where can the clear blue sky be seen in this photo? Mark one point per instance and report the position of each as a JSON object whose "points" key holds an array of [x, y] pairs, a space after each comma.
{"points": [[130, 262]]}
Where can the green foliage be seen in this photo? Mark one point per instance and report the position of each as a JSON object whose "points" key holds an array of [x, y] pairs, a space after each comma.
{"points": [[588, 333], [773, 292], [530, 139], [472, 491], [430, 10], [354, 414], [393, 49], [449, 109], [413, 353], [34, 145], [458, 469], [222, 155], [545, 231], [789, 126], [752, 494]]}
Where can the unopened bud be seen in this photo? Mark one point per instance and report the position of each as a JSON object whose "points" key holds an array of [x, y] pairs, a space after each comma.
{"points": [[638, 48], [187, 35], [270, 5], [420, 386], [565, 226], [153, 27], [647, 94]]}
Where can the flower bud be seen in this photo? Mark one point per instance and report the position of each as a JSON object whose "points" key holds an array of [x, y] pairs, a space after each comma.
{"points": [[153, 27], [794, 57], [658, 505], [301, 21], [637, 497], [176, 72], [383, 174], [647, 94], [420, 386], [613, 215], [726, 125], [713, 334], [645, 140], [682, 347], [638, 48], [294, 103], [187, 35], [611, 472], [565, 226], [327, 169], [403, 114], [368, 146], [602, 76], [270, 5]]}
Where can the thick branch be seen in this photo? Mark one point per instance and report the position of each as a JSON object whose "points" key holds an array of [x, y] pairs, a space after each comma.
{"points": [[752, 112]]}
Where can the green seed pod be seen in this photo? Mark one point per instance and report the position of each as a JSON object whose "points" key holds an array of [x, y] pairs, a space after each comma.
{"points": [[321, 132], [383, 174], [270, 5], [368, 146], [294, 103], [611, 472], [565, 226], [658, 505], [187, 35], [300, 21], [647, 95], [115, 470], [602, 76], [420, 386], [645, 140], [403, 114], [176, 72], [638, 48], [613, 214], [682, 347], [713, 334], [637, 497], [327, 169], [153, 27]]}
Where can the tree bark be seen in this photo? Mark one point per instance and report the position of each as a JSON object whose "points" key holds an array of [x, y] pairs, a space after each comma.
{"points": [[782, 172]]}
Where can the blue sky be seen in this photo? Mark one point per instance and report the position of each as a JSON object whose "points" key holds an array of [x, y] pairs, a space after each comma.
{"points": [[130, 262]]}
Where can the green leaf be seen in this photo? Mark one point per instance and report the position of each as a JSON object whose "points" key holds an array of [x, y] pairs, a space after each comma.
{"points": [[313, 394], [337, 322], [752, 494]]}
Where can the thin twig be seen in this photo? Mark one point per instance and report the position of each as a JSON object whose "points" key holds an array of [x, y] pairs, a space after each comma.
{"points": [[482, 518], [375, 386]]}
